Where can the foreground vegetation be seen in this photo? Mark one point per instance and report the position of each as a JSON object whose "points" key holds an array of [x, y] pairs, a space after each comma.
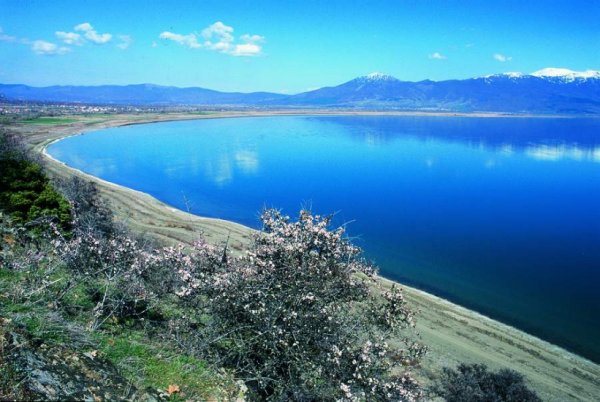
{"points": [[131, 320], [262, 317], [25, 192], [62, 298]]}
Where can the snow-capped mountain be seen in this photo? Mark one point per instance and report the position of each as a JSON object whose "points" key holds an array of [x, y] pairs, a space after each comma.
{"points": [[548, 91], [377, 77], [374, 87], [563, 74], [545, 91], [566, 74]]}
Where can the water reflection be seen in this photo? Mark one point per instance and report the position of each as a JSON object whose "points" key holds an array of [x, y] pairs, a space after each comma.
{"points": [[544, 139], [558, 152], [219, 170], [247, 161], [222, 168]]}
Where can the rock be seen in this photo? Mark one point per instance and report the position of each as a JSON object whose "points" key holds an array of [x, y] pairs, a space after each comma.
{"points": [[59, 373]]}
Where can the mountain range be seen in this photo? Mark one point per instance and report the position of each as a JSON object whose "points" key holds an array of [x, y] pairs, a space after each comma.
{"points": [[547, 91]]}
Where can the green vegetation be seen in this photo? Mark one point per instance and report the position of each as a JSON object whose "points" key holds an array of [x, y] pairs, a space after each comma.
{"points": [[48, 120], [7, 119], [49, 302], [473, 382], [25, 192], [155, 365], [51, 299]]}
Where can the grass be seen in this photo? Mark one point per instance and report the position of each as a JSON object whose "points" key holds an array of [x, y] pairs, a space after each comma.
{"points": [[52, 121], [150, 364], [147, 362], [7, 119]]}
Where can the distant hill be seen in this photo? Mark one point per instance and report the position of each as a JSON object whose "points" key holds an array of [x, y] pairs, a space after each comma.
{"points": [[142, 94], [550, 90]]}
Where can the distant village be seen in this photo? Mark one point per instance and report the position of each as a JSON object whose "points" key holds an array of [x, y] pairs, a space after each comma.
{"points": [[10, 110]]}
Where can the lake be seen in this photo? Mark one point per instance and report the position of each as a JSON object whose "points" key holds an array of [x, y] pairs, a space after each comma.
{"points": [[501, 215]]}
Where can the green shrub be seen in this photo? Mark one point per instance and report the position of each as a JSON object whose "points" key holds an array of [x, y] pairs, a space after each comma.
{"points": [[474, 383], [25, 191]]}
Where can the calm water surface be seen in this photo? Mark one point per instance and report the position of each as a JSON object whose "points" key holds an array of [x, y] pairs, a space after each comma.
{"points": [[500, 215]]}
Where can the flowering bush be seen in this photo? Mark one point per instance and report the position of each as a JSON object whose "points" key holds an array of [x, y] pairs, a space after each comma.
{"points": [[301, 316], [117, 271]]}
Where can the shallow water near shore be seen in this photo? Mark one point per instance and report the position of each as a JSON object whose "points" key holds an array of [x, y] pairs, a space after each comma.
{"points": [[500, 215]]}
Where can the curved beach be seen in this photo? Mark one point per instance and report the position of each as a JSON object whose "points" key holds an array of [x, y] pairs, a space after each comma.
{"points": [[452, 333]]}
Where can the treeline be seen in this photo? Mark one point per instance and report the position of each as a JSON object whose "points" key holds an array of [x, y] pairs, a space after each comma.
{"points": [[26, 194]]}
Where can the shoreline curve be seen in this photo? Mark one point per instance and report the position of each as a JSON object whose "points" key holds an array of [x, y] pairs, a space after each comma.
{"points": [[453, 333]]}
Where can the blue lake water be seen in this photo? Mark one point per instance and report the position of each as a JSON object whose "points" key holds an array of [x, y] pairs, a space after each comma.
{"points": [[500, 215]]}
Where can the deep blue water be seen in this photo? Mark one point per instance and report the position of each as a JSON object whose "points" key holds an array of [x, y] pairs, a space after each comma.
{"points": [[500, 215]]}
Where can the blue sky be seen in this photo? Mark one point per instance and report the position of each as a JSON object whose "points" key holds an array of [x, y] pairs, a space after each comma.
{"points": [[288, 46]]}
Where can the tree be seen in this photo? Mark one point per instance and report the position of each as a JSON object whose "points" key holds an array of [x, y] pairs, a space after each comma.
{"points": [[301, 316]]}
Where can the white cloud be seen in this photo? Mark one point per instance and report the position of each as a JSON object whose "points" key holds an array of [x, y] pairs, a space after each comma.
{"points": [[250, 47], [437, 56], [186, 40], [86, 26], [502, 58], [70, 38], [85, 33], [246, 49], [6, 38], [154, 44], [47, 48], [219, 37], [252, 38], [90, 34], [125, 41]]}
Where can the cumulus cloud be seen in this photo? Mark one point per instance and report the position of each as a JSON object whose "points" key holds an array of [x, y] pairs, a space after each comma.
{"points": [[70, 38], [502, 58], [84, 33], [48, 48], [250, 47], [125, 41], [219, 37], [186, 40], [90, 34], [437, 56]]}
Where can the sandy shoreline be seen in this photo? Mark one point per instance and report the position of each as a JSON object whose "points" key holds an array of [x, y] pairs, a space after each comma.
{"points": [[453, 333]]}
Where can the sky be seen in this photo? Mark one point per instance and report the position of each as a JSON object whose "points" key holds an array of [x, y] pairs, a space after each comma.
{"points": [[288, 46]]}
